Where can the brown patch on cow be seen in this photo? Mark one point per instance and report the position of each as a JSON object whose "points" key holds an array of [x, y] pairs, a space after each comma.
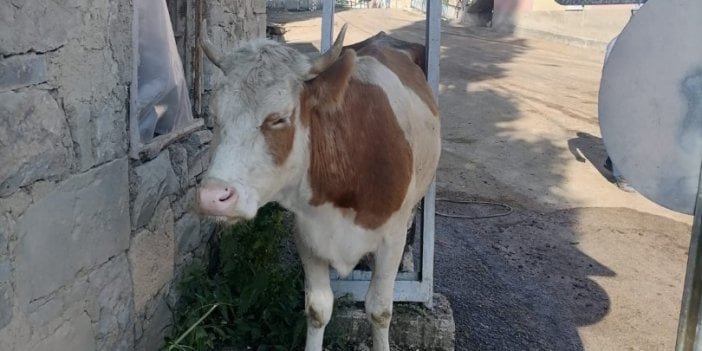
{"points": [[279, 136], [360, 159], [409, 72]]}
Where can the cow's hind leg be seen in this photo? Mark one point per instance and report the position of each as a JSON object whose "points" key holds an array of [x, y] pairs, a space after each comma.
{"points": [[319, 298], [380, 293]]}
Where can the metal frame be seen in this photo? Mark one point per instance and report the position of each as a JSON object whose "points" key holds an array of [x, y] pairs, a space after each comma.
{"points": [[691, 307], [410, 287]]}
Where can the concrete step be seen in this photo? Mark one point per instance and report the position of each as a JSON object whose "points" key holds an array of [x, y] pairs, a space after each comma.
{"points": [[413, 327]]}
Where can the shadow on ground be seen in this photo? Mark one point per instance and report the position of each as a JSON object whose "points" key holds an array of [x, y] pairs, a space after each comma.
{"points": [[587, 147], [514, 285]]}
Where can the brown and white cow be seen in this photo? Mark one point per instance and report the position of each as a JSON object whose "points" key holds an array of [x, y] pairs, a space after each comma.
{"points": [[348, 141]]}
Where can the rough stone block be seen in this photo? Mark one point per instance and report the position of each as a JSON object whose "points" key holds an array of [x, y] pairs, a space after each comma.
{"points": [[157, 220], [16, 335], [110, 128], [37, 25], [187, 231], [259, 26], [95, 108], [36, 143], [226, 31], [184, 261], [112, 291], [153, 180], [185, 203], [11, 208], [15, 204], [5, 271], [81, 224], [73, 334], [259, 6], [6, 226], [197, 164], [5, 304], [156, 327], [228, 8], [104, 294], [97, 45], [6, 295], [197, 146], [196, 142], [46, 310], [200, 138], [413, 327], [179, 160], [151, 257], [21, 71]]}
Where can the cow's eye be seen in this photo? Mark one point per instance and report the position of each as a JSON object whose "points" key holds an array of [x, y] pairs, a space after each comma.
{"points": [[276, 121]]}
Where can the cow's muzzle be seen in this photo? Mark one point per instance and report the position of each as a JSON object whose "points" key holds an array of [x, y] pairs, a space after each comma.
{"points": [[217, 198]]}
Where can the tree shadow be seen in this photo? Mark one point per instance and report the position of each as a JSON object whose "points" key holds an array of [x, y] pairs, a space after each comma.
{"points": [[521, 281]]}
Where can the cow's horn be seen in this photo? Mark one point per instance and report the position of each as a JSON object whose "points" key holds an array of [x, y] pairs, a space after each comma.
{"points": [[323, 61], [212, 52]]}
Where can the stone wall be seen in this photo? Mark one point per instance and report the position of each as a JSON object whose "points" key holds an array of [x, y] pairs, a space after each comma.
{"points": [[91, 241], [231, 22]]}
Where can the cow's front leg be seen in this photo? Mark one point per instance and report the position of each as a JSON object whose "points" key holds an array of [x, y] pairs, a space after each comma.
{"points": [[380, 293], [319, 298]]}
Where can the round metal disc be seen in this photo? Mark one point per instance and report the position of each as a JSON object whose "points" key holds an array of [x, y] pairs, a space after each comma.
{"points": [[650, 102]]}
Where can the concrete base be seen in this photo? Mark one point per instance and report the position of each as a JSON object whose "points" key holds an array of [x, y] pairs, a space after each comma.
{"points": [[414, 327]]}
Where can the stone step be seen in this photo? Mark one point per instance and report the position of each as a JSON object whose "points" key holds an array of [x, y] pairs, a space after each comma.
{"points": [[413, 327]]}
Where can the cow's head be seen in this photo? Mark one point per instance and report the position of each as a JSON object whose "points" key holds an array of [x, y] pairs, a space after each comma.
{"points": [[259, 142]]}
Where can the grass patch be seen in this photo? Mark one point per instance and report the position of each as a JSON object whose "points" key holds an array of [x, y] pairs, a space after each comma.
{"points": [[249, 301]]}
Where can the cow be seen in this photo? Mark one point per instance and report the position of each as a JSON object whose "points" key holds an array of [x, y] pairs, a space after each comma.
{"points": [[348, 141]]}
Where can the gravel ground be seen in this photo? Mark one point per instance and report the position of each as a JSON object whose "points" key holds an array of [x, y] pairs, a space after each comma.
{"points": [[523, 282]]}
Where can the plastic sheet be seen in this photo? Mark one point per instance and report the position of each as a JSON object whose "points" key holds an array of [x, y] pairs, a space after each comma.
{"points": [[162, 101]]}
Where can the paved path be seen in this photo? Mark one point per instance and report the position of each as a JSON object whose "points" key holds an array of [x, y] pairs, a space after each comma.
{"points": [[579, 265]]}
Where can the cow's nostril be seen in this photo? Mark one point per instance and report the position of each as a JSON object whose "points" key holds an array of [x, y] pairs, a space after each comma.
{"points": [[226, 196]]}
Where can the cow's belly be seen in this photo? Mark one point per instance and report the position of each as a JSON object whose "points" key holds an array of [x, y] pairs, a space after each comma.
{"points": [[330, 234]]}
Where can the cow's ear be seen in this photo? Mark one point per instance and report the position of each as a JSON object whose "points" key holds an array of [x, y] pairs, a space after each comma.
{"points": [[328, 87]]}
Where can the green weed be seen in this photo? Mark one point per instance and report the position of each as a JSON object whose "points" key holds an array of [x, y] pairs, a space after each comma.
{"points": [[249, 302]]}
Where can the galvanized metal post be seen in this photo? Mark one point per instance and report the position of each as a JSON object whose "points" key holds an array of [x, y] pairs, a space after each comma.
{"points": [[327, 24], [433, 48], [690, 310]]}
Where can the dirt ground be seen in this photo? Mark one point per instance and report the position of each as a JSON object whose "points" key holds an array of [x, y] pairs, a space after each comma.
{"points": [[579, 264]]}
